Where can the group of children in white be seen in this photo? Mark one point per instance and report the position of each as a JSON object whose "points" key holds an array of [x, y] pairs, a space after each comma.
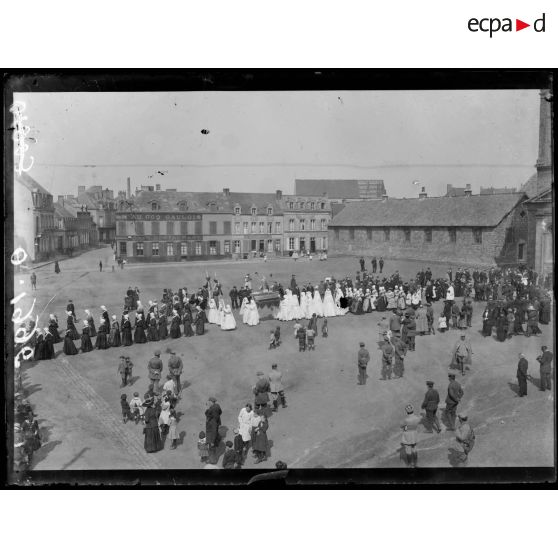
{"points": [[222, 315], [291, 308]]}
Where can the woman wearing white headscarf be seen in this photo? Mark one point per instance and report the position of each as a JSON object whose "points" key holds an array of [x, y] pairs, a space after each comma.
{"points": [[253, 314], [282, 312], [228, 323], [243, 306], [298, 313], [91, 324], [318, 307], [213, 313], [329, 305], [221, 312]]}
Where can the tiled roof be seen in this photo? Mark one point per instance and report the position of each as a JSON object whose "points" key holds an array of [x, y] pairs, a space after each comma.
{"points": [[337, 188], [530, 187], [31, 184], [62, 211], [467, 211]]}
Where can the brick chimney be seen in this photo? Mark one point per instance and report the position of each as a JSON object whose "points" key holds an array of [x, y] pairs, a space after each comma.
{"points": [[278, 195], [227, 192], [422, 194], [468, 190]]}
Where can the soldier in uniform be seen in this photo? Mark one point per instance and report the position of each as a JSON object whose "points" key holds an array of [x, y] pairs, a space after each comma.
{"points": [[363, 359], [455, 393], [261, 393], [522, 367], [155, 369], [277, 388], [409, 437], [175, 370], [374, 263], [465, 436], [545, 361], [381, 263], [387, 360], [430, 405]]}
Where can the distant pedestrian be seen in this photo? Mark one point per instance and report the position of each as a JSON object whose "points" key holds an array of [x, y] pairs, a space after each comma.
{"points": [[238, 445], [545, 361], [126, 411], [33, 281], [154, 370], [455, 393], [100, 265], [522, 367], [310, 335], [212, 424], [324, 328], [462, 356], [363, 358], [277, 389], [409, 437], [387, 359], [430, 405], [230, 457], [173, 435], [203, 447], [361, 261], [56, 268], [301, 336], [152, 442], [374, 263], [381, 264]]}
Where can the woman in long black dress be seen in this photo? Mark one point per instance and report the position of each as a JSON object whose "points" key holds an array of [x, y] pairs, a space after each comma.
{"points": [[381, 304], [139, 333], [72, 326], [91, 324], [53, 329], [39, 353], [162, 325], [151, 431], [114, 335], [49, 345], [69, 348], [187, 321], [86, 345], [200, 321], [501, 327], [152, 330], [517, 325], [175, 325], [126, 331], [102, 342], [486, 323]]}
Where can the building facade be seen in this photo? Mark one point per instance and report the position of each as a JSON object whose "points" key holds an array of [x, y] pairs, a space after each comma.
{"points": [[342, 190], [102, 205]]}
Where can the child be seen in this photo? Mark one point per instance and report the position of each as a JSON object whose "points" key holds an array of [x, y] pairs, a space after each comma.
{"points": [[277, 336], [324, 328], [126, 413], [238, 444], [122, 371], [173, 436], [301, 334], [310, 334], [136, 408], [229, 459], [454, 316], [462, 318], [129, 368], [442, 325], [272, 343], [296, 327], [203, 447]]}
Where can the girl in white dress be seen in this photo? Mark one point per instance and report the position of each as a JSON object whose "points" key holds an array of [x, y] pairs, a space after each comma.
{"points": [[329, 304], [228, 323], [298, 313], [282, 312], [221, 312], [253, 314], [242, 310], [318, 306], [212, 314]]}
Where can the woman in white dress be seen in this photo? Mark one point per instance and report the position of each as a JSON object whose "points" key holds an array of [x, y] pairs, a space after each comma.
{"points": [[329, 304], [309, 302], [228, 323], [212, 314], [298, 313], [242, 310], [221, 312], [305, 304], [282, 312], [164, 417], [253, 318], [318, 306]]}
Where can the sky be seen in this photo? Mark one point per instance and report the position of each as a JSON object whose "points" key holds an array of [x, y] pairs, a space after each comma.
{"points": [[263, 141]]}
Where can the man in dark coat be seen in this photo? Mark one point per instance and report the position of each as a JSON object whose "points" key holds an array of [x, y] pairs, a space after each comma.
{"points": [[261, 392], [293, 283], [430, 405], [361, 262], [455, 393], [522, 367], [363, 359], [155, 369], [175, 370], [374, 263], [71, 308], [233, 293], [212, 424], [545, 361]]}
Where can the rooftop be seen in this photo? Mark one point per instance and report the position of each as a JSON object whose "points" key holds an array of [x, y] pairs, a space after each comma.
{"points": [[344, 189]]}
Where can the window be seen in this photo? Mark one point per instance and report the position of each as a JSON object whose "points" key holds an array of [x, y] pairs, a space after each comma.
{"points": [[226, 227], [291, 205], [182, 206], [253, 210], [236, 246], [302, 225], [154, 206], [312, 224], [212, 247], [510, 236], [270, 210], [521, 251], [351, 234], [198, 227], [198, 248], [323, 224], [237, 210], [121, 228], [139, 227], [407, 235], [184, 228], [369, 233], [237, 228], [139, 248], [155, 249], [291, 224], [452, 233], [262, 227], [269, 228], [170, 228], [477, 235], [227, 246], [245, 227], [212, 227], [170, 249], [123, 249], [183, 249], [427, 235], [291, 243], [270, 245], [278, 245], [155, 228], [252, 227], [322, 205], [312, 205], [386, 235], [277, 227]]}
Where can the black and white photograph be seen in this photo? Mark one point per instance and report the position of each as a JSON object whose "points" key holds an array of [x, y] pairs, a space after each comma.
{"points": [[280, 275]]}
